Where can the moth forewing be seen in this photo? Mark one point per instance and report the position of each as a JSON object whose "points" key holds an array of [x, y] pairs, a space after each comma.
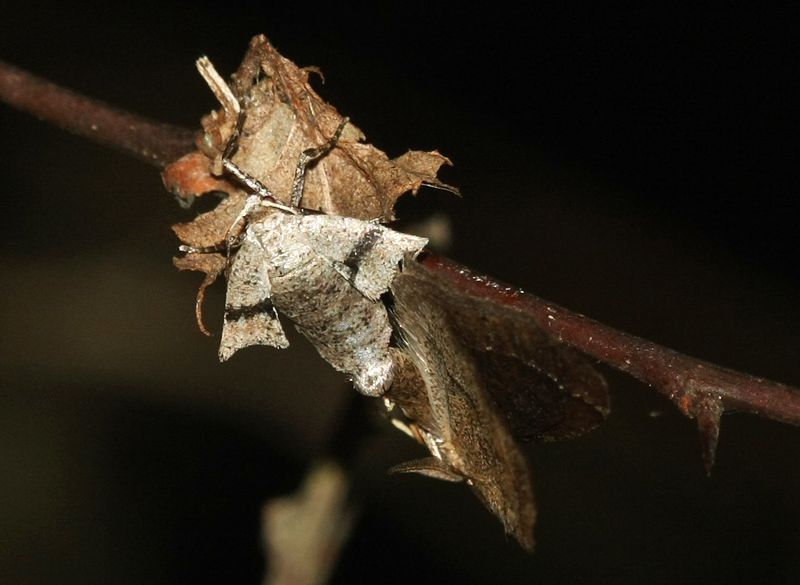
{"points": [[326, 274], [250, 315], [365, 253]]}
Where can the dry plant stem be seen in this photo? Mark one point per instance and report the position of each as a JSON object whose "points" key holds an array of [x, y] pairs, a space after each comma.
{"points": [[156, 143], [701, 390]]}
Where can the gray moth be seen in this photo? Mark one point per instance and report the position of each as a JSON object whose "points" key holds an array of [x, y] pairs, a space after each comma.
{"points": [[326, 274]]}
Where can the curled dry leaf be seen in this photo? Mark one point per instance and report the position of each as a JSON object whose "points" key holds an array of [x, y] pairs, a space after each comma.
{"points": [[284, 117]]}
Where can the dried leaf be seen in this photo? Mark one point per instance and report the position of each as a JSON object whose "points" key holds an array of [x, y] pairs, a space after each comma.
{"points": [[210, 229], [284, 117]]}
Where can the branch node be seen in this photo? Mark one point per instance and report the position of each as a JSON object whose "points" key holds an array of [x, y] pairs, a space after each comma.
{"points": [[707, 409]]}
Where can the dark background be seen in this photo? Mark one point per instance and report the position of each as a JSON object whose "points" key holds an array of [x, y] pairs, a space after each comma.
{"points": [[635, 164]]}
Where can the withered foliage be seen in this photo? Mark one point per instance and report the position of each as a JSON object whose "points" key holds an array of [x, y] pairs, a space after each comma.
{"points": [[284, 117]]}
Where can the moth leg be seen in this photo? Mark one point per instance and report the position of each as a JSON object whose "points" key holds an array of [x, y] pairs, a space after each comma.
{"points": [[431, 467], [256, 186], [307, 157]]}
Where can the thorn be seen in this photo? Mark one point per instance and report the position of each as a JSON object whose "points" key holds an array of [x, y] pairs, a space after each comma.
{"points": [[708, 411]]}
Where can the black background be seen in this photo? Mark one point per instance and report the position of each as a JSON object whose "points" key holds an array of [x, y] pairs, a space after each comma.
{"points": [[635, 164]]}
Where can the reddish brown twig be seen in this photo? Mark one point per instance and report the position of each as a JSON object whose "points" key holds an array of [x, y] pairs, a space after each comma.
{"points": [[156, 143]]}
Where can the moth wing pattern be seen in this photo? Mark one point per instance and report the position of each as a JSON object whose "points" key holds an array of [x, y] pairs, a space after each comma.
{"points": [[365, 253], [250, 316]]}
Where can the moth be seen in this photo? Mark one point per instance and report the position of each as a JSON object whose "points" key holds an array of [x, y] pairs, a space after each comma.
{"points": [[464, 377], [468, 381], [325, 273], [474, 378]]}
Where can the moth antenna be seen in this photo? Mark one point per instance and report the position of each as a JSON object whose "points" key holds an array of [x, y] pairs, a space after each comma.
{"points": [[307, 157], [244, 177]]}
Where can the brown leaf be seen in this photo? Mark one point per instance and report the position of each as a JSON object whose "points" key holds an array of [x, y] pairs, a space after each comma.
{"points": [[209, 229], [284, 117]]}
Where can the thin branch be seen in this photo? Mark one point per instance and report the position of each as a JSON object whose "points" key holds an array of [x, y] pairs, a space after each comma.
{"points": [[156, 143]]}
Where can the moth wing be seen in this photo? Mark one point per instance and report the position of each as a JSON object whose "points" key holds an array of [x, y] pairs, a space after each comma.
{"points": [[250, 316], [545, 390], [367, 254]]}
